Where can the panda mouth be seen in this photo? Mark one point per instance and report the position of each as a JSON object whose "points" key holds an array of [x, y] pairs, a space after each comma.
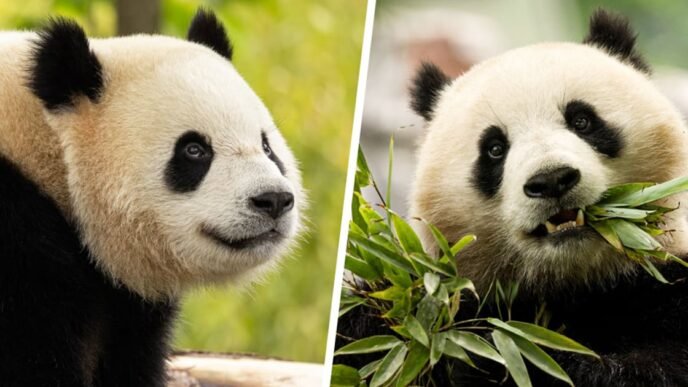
{"points": [[561, 222], [243, 243]]}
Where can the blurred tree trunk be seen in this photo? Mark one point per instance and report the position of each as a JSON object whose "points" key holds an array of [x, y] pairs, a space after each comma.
{"points": [[138, 16]]}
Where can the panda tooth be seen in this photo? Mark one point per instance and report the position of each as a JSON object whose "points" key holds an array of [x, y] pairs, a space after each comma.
{"points": [[550, 227], [580, 220]]}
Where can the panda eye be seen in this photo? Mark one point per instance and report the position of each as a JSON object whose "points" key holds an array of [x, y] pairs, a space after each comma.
{"points": [[496, 151], [266, 147], [194, 151], [581, 123]]}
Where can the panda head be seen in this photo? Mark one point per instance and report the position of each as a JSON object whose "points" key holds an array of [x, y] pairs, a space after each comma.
{"points": [[177, 173], [519, 144]]}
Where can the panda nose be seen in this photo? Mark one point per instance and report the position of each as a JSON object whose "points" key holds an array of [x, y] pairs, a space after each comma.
{"points": [[552, 184], [274, 204]]}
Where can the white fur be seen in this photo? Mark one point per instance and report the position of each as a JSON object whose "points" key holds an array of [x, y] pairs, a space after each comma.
{"points": [[524, 92]]}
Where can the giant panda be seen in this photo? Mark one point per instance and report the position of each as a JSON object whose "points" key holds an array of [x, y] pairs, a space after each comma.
{"points": [[513, 149], [131, 169]]}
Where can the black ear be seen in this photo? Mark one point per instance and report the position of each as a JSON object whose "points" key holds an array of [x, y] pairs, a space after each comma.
{"points": [[425, 89], [612, 33], [63, 66], [207, 30]]}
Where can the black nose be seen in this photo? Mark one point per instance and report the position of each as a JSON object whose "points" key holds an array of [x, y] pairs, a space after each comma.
{"points": [[552, 184], [274, 204]]}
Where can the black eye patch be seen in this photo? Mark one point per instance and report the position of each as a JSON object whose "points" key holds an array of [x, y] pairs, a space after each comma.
{"points": [[271, 154], [582, 119], [489, 167], [189, 163]]}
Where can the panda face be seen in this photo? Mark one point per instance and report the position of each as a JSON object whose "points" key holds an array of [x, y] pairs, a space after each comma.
{"points": [[516, 147], [177, 172]]}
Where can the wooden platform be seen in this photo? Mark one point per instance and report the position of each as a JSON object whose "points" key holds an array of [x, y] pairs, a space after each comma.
{"points": [[195, 369]]}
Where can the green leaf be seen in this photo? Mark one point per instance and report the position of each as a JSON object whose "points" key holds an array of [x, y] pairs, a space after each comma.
{"points": [[416, 360], [345, 307], [343, 375], [512, 357], [388, 197], [389, 365], [546, 337], [407, 237], [369, 345], [431, 282], [653, 193], [613, 194], [452, 349], [363, 175], [428, 310], [382, 253], [416, 330], [390, 294], [475, 344], [361, 268], [618, 212], [431, 264], [633, 236], [540, 358], [463, 242], [440, 239], [607, 232], [369, 368], [437, 347]]}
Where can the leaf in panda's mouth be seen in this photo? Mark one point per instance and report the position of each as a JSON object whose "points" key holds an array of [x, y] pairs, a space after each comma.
{"points": [[625, 218], [243, 243], [562, 221]]}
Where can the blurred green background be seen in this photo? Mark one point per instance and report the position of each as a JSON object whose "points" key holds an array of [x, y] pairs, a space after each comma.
{"points": [[302, 58]]}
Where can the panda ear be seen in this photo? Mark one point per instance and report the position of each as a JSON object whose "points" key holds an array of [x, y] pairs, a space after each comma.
{"points": [[613, 33], [207, 30], [425, 89], [63, 65]]}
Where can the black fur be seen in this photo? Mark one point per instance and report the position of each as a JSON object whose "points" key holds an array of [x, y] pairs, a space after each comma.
{"points": [[207, 30], [63, 65], [271, 154], [63, 322], [425, 89], [487, 171], [613, 33], [184, 174], [599, 134], [639, 327]]}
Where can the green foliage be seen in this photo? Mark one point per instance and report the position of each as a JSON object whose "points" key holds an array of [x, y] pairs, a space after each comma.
{"points": [[625, 218], [302, 59], [418, 296]]}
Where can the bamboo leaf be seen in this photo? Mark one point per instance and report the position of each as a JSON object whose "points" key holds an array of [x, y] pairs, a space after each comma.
{"points": [[389, 365], [369, 345], [382, 253], [431, 282], [416, 330], [475, 344], [361, 268], [368, 369], [653, 193], [440, 239], [461, 244], [633, 236], [607, 232], [540, 358], [407, 237], [512, 356], [343, 375], [416, 360], [544, 336], [454, 350]]}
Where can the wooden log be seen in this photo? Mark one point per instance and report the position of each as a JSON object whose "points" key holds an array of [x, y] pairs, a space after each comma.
{"points": [[197, 369]]}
